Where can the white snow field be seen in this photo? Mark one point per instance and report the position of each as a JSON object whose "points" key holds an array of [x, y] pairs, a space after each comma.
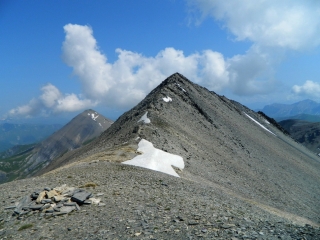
{"points": [[156, 159], [259, 124], [144, 118], [167, 99]]}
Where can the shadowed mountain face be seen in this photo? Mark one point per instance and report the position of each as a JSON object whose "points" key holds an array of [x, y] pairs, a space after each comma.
{"points": [[306, 133], [303, 108], [28, 160], [222, 142], [81, 129]]}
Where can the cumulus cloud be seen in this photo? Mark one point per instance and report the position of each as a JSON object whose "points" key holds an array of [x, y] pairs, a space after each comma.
{"points": [[291, 24], [51, 101], [127, 80], [309, 89], [274, 28]]}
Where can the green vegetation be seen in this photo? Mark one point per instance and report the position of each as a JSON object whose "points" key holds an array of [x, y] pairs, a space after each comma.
{"points": [[25, 226], [89, 184], [12, 165]]}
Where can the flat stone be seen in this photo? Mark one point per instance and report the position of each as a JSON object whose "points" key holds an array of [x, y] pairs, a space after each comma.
{"points": [[49, 210], [58, 213], [48, 205], [87, 202], [99, 194], [70, 204], [41, 196], [101, 204], [52, 193], [59, 205], [59, 198], [36, 206], [68, 192], [77, 207], [61, 188], [10, 207], [44, 201], [56, 209], [24, 202], [47, 189], [80, 197], [67, 209], [94, 200]]}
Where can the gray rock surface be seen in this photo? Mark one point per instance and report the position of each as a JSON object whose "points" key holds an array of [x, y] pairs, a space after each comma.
{"points": [[239, 181]]}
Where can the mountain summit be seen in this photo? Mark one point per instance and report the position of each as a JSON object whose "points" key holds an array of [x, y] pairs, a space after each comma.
{"points": [[80, 130], [222, 142], [239, 175]]}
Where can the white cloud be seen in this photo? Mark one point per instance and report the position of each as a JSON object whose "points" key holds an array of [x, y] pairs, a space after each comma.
{"points": [[52, 101], [272, 26], [30, 109], [309, 89], [127, 81], [293, 24], [50, 95]]}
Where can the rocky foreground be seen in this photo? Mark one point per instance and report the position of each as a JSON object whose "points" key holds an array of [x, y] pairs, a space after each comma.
{"points": [[141, 204]]}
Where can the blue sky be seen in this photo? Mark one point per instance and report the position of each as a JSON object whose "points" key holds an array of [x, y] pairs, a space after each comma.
{"points": [[59, 58]]}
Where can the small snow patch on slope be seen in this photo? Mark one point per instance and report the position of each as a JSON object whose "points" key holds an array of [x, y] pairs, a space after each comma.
{"points": [[259, 124], [93, 116], [181, 87], [167, 99], [145, 119], [156, 159]]}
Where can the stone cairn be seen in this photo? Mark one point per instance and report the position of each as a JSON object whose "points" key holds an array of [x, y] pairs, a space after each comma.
{"points": [[57, 201]]}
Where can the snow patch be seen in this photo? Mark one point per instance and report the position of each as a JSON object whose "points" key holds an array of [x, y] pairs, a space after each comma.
{"points": [[93, 116], [180, 87], [156, 159], [266, 121], [100, 124], [167, 99], [259, 124], [144, 118]]}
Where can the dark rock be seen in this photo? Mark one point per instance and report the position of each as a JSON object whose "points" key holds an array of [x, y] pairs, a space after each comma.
{"points": [[80, 197], [67, 209], [46, 201], [36, 206], [193, 223], [47, 189], [57, 209], [70, 204], [24, 202], [45, 206]]}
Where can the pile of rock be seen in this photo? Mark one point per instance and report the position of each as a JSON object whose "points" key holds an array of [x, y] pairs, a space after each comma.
{"points": [[54, 201]]}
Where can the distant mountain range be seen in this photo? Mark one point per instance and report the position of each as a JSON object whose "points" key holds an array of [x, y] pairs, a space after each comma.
{"points": [[24, 160], [299, 110], [20, 134]]}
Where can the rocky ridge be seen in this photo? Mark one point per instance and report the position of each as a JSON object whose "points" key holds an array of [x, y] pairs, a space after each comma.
{"points": [[239, 182]]}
